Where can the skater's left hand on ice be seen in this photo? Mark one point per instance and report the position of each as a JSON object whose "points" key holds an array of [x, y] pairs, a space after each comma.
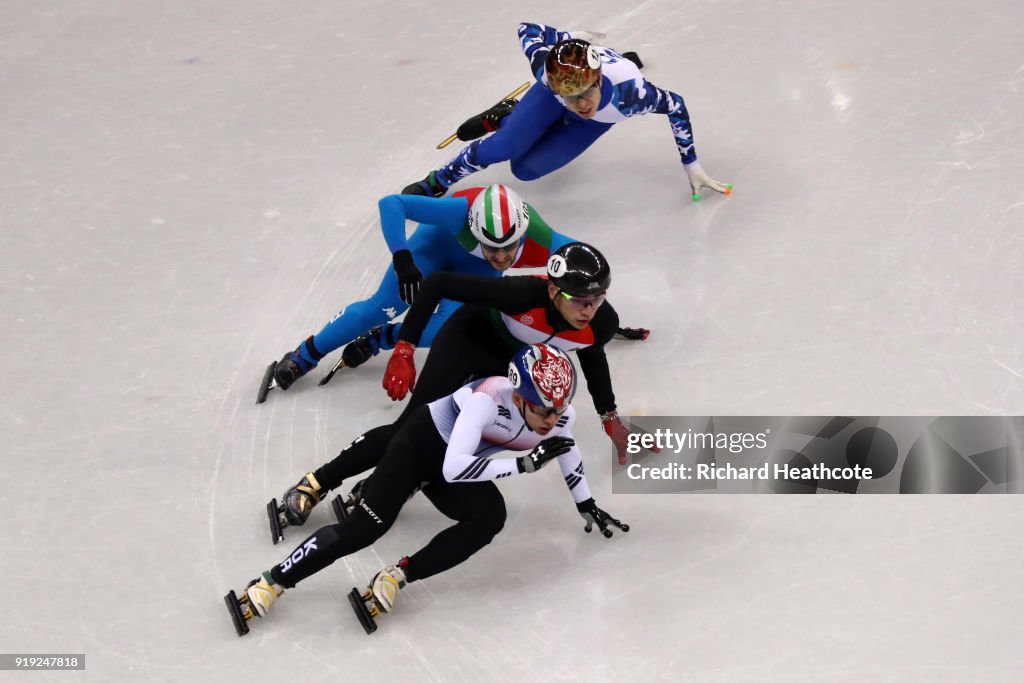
{"points": [[592, 515], [619, 434], [698, 179], [400, 374]]}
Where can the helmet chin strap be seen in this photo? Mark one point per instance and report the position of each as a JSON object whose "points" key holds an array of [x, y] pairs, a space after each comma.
{"points": [[521, 403]]}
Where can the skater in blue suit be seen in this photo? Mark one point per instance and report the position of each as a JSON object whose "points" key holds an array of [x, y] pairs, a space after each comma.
{"points": [[582, 90], [479, 231]]}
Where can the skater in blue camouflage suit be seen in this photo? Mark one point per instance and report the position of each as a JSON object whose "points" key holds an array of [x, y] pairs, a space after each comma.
{"points": [[478, 231], [581, 91]]}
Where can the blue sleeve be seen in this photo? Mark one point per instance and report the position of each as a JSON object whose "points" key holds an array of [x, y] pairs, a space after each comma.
{"points": [[395, 209], [636, 97], [537, 41], [558, 240]]}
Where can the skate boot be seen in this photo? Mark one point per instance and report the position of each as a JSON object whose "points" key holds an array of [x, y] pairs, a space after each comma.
{"points": [[284, 373], [428, 187], [256, 601], [296, 504], [386, 585], [379, 597], [363, 348], [485, 122], [290, 368], [344, 505]]}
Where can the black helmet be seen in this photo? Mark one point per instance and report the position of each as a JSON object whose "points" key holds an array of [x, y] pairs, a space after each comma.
{"points": [[579, 269]]}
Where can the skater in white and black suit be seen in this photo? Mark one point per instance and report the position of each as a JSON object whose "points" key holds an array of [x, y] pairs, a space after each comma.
{"points": [[447, 448]]}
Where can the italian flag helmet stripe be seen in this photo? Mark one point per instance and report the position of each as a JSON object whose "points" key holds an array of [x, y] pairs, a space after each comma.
{"points": [[504, 209], [496, 211], [498, 216]]}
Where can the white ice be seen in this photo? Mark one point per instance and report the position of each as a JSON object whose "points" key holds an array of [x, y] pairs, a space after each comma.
{"points": [[187, 189]]}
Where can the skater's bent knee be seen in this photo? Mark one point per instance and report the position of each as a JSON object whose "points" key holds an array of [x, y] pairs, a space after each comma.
{"points": [[492, 523], [523, 171], [367, 524]]}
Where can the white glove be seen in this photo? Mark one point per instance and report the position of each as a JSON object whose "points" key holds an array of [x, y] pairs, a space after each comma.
{"points": [[698, 179], [589, 36]]}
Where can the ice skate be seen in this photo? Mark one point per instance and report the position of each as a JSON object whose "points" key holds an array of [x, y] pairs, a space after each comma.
{"points": [[285, 372], [503, 108], [256, 601], [344, 505], [362, 349], [296, 504], [485, 122], [379, 597], [428, 187]]}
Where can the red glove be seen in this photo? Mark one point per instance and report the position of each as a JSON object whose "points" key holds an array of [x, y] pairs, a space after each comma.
{"points": [[619, 434], [400, 375]]}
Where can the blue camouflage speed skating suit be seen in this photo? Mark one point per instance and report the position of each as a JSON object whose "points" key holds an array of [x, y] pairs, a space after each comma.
{"points": [[542, 135]]}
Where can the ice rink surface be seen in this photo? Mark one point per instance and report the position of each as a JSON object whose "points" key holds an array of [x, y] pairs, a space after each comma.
{"points": [[188, 189]]}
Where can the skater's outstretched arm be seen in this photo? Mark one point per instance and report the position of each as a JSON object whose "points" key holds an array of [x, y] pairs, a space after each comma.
{"points": [[571, 465], [508, 294], [396, 209]]}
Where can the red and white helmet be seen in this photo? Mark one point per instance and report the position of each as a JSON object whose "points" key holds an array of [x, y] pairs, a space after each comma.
{"points": [[543, 375]]}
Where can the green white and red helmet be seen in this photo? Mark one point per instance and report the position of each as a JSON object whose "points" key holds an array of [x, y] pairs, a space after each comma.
{"points": [[498, 217]]}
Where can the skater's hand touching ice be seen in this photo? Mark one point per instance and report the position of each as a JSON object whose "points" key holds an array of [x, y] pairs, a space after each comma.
{"points": [[592, 515], [619, 434], [698, 179]]}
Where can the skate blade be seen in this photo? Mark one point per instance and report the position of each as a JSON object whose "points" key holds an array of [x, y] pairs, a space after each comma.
{"points": [[235, 610], [327, 378], [267, 384], [339, 508], [274, 516], [362, 612], [511, 96]]}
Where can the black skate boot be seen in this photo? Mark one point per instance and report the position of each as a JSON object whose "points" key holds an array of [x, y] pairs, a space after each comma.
{"points": [[283, 373], [362, 349], [296, 504], [293, 365], [485, 122], [428, 187], [344, 505]]}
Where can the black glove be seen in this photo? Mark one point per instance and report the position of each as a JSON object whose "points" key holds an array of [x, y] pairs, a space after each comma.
{"points": [[592, 515], [544, 452], [633, 333], [409, 276]]}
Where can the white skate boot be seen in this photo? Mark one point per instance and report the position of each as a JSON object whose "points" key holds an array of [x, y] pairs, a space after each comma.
{"points": [[256, 600], [386, 585], [262, 594]]}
